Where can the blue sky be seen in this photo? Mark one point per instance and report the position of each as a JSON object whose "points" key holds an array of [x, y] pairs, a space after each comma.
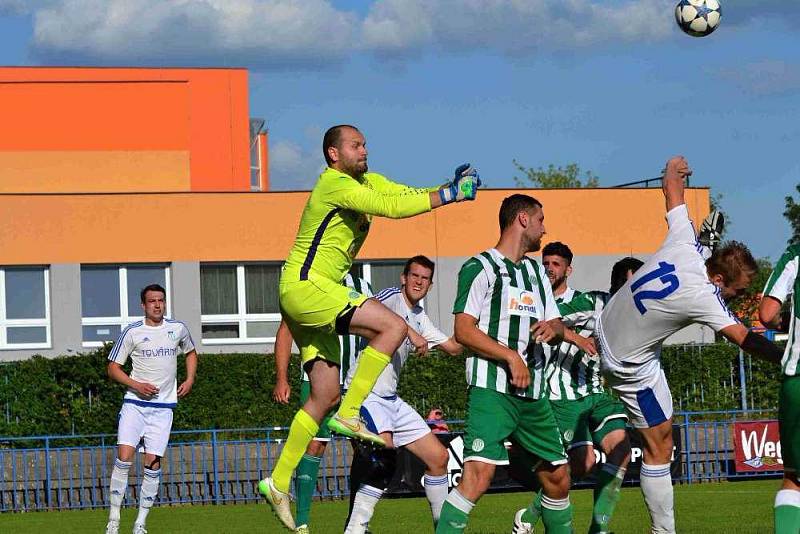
{"points": [[611, 85]]}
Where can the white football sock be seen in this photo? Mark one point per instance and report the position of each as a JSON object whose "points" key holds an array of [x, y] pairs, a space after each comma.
{"points": [[118, 487], [436, 492], [364, 504], [656, 484], [148, 493]]}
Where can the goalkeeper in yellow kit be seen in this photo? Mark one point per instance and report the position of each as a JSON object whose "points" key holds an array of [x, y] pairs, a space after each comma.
{"points": [[318, 308]]}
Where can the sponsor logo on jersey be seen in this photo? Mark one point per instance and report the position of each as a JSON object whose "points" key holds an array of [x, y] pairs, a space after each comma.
{"points": [[521, 302], [159, 352]]}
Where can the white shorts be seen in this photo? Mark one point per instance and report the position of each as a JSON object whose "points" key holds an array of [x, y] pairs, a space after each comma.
{"points": [[396, 416], [144, 428], [643, 390]]}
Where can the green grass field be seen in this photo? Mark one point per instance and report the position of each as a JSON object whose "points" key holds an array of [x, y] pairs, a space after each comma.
{"points": [[744, 507]]}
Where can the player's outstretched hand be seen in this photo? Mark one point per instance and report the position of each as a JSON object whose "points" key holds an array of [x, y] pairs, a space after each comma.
{"points": [[520, 375], [281, 392], [185, 388], [463, 187]]}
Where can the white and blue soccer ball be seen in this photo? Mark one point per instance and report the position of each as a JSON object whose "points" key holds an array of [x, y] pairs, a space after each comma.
{"points": [[698, 18]]}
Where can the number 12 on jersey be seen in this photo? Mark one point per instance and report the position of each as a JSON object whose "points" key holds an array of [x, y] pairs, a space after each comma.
{"points": [[665, 272]]}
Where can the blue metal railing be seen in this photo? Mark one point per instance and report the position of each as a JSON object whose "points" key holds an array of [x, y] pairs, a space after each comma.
{"points": [[219, 466]]}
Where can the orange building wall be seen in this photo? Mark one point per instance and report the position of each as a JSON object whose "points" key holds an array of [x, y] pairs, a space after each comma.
{"points": [[119, 228], [123, 129]]}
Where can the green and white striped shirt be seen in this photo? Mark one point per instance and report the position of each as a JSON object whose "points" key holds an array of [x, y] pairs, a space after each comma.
{"points": [[350, 346], [573, 374], [506, 299], [782, 283]]}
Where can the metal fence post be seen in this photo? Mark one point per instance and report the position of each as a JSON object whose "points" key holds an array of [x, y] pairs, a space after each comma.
{"points": [[47, 472], [687, 447], [217, 496], [742, 380]]}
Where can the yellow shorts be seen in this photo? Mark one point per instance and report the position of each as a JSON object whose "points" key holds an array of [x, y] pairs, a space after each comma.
{"points": [[310, 308]]}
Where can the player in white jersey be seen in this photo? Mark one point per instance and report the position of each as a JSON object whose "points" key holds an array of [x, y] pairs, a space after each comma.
{"points": [[307, 470], [673, 289], [784, 285], [145, 420], [390, 416]]}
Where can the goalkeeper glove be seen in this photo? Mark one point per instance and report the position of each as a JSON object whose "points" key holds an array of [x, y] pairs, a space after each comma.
{"points": [[463, 187]]}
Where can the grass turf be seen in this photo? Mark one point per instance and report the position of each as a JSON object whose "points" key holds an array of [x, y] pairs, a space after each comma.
{"points": [[741, 507]]}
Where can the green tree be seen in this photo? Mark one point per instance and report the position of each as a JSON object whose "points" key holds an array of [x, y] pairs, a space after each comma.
{"points": [[792, 214], [554, 177]]}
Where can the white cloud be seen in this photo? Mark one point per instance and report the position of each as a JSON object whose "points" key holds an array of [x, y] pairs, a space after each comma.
{"points": [[293, 168], [515, 27], [766, 77], [256, 33]]}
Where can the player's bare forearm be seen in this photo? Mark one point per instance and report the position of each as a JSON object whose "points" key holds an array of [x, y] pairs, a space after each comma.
{"points": [[470, 336], [585, 344], [283, 350], [452, 347], [191, 366], [769, 312], [436, 199], [116, 374]]}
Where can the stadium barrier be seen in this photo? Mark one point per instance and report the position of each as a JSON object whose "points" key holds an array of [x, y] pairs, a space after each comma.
{"points": [[224, 466]]}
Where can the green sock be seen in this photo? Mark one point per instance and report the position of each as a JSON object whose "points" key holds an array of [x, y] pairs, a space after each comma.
{"points": [[534, 511], [557, 521], [787, 512], [301, 432], [305, 482], [455, 514], [606, 496]]}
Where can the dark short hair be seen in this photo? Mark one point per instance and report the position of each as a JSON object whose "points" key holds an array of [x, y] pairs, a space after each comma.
{"points": [[152, 287], [419, 260], [619, 273], [732, 260], [333, 138], [557, 248], [514, 204]]}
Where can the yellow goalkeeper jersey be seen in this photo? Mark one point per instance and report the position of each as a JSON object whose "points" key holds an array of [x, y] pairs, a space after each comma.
{"points": [[336, 221]]}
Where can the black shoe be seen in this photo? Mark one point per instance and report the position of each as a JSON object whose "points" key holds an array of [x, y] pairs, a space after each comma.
{"points": [[711, 230]]}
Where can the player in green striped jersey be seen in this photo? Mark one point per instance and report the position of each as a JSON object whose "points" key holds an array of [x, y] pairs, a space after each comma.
{"points": [[504, 311], [308, 468], [585, 412], [784, 283]]}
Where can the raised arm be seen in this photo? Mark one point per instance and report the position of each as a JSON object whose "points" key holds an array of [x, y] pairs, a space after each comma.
{"points": [[752, 343], [673, 184]]}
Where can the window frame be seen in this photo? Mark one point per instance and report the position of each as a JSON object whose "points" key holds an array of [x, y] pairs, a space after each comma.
{"points": [[42, 322], [241, 318], [124, 319]]}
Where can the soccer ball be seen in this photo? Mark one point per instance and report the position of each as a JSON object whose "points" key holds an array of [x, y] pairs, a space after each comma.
{"points": [[698, 18]]}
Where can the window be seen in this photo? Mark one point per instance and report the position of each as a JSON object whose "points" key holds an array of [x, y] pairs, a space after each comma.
{"points": [[24, 308], [239, 303], [110, 298], [383, 274]]}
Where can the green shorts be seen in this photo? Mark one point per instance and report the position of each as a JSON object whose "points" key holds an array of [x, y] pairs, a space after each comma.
{"points": [[310, 308], [789, 419], [324, 433], [589, 419], [493, 417]]}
